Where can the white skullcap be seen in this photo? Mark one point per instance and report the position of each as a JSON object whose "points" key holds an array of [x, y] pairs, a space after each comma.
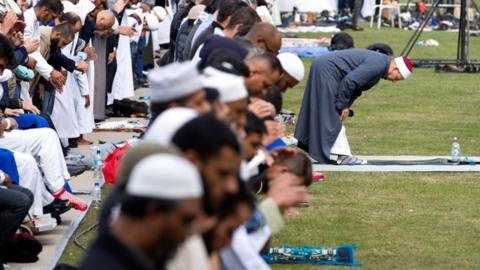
{"points": [[160, 12], [165, 176], [168, 123], [174, 81], [195, 12], [230, 87], [292, 64], [152, 21], [404, 65]]}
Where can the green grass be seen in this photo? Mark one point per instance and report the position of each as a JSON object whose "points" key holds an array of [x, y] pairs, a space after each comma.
{"points": [[418, 116], [73, 254], [399, 220]]}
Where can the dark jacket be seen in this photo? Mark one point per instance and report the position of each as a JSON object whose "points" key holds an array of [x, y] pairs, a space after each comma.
{"points": [[181, 41], [203, 37], [107, 252], [21, 55]]}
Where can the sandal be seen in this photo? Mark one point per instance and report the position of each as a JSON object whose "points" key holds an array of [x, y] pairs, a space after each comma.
{"points": [[350, 160]]}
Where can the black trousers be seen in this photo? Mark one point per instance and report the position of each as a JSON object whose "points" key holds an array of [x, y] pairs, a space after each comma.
{"points": [[14, 205], [356, 8]]}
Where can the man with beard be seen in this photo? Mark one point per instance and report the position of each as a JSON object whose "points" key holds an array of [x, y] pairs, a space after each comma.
{"points": [[265, 71], [336, 80], [216, 152], [45, 12], [52, 40], [161, 203]]}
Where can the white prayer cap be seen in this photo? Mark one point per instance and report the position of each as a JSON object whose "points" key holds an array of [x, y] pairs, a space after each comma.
{"points": [[168, 123], [292, 64], [160, 12], [404, 65], [152, 21], [165, 176], [230, 87], [174, 81], [195, 12]]}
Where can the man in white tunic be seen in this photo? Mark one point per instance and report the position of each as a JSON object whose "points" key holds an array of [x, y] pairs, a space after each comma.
{"points": [[45, 12]]}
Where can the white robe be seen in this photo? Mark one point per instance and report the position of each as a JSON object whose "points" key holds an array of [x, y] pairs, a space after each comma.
{"points": [[44, 146], [122, 86], [163, 33], [64, 116], [83, 83], [341, 147], [91, 84], [134, 23], [31, 179], [32, 31], [85, 118]]}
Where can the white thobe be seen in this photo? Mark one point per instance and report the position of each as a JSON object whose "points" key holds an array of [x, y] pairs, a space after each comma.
{"points": [[32, 31], [122, 86], [132, 22], [341, 147], [31, 179], [64, 116], [85, 119], [163, 32], [192, 254], [245, 248], [43, 144]]}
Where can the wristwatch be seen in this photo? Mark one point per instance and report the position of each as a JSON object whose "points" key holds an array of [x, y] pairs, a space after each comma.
{"points": [[2, 177]]}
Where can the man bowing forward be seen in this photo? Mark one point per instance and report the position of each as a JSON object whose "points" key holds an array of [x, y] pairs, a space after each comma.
{"points": [[336, 80]]}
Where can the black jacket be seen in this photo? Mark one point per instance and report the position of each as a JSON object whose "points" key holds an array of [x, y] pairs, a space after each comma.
{"points": [[107, 252]]}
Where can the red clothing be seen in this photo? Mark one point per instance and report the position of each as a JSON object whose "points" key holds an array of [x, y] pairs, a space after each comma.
{"points": [[421, 7]]}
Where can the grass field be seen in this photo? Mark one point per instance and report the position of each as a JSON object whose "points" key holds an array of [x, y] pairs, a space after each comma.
{"points": [[399, 220]]}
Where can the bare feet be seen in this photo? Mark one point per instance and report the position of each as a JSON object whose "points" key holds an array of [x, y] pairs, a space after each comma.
{"points": [[82, 141]]}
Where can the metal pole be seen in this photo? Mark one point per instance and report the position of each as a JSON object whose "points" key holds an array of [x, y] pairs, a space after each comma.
{"points": [[462, 39], [408, 48]]}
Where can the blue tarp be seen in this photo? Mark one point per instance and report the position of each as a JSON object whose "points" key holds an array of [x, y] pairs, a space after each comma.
{"points": [[306, 52]]}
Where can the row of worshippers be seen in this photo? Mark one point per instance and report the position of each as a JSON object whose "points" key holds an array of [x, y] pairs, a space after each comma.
{"points": [[185, 194], [58, 63], [32, 154]]}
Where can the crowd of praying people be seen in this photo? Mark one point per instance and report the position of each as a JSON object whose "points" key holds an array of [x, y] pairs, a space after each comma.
{"points": [[185, 193]]}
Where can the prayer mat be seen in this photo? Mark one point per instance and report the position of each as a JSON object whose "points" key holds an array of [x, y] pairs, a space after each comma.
{"points": [[139, 125], [406, 164], [340, 256], [305, 42]]}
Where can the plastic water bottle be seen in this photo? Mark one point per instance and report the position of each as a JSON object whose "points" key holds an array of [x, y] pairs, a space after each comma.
{"points": [[98, 174], [97, 195], [455, 151]]}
